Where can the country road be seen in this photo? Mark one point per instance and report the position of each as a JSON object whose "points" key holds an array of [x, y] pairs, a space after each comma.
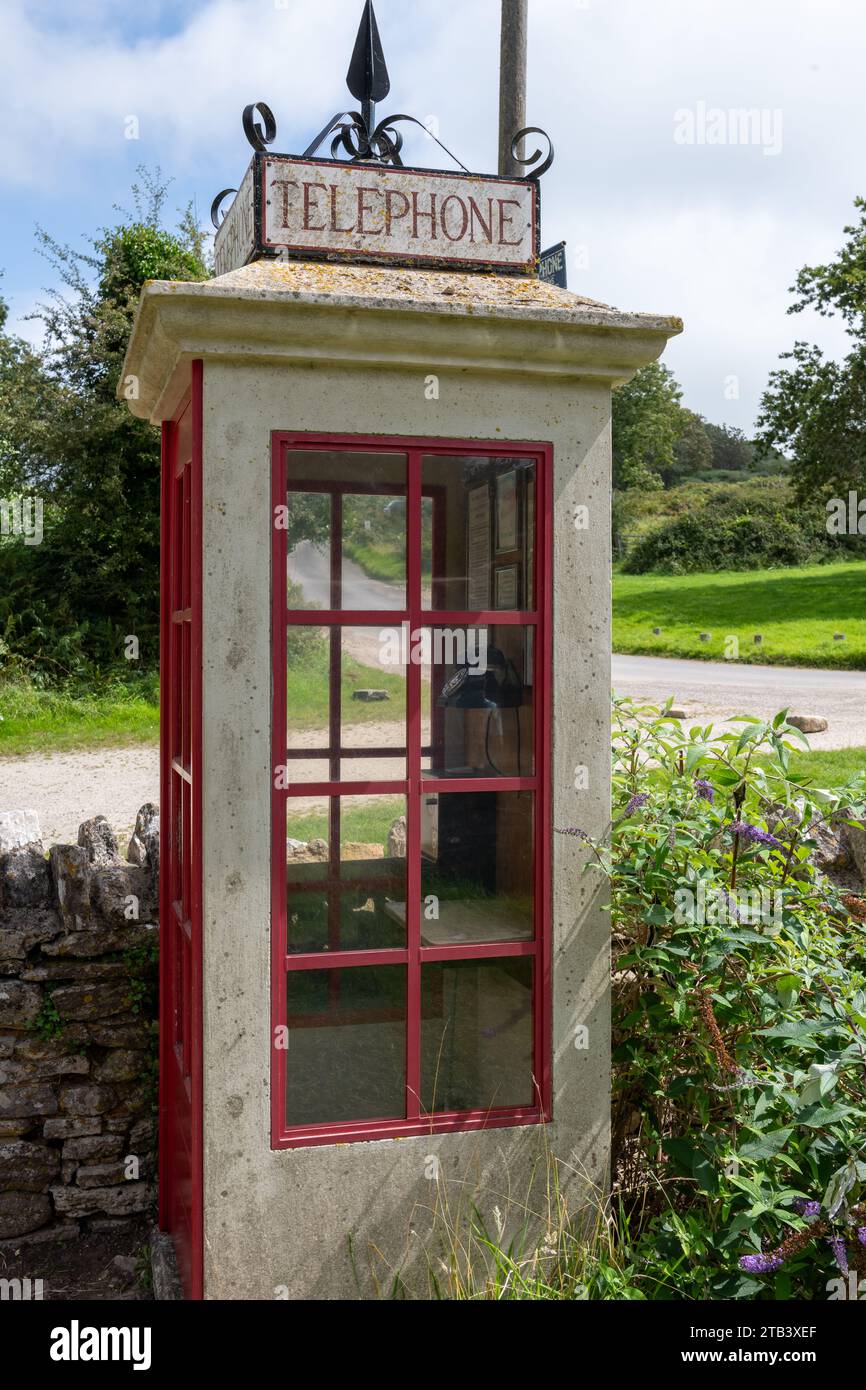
{"points": [[715, 690], [66, 788], [670, 672]]}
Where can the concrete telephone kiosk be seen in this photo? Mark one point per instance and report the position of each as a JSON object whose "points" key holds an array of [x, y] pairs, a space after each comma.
{"points": [[386, 650]]}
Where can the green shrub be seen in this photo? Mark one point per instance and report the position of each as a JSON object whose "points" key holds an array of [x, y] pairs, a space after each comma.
{"points": [[729, 531], [772, 526], [739, 1015], [739, 1032]]}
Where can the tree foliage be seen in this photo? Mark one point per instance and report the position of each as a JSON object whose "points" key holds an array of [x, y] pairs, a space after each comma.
{"points": [[693, 452], [815, 408], [658, 442], [95, 577], [647, 423], [27, 400], [729, 527], [730, 450]]}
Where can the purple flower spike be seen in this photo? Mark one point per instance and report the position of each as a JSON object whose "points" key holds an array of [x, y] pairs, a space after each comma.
{"points": [[636, 803], [575, 831], [803, 1207], [753, 836], [705, 790], [840, 1252], [760, 1264], [861, 1234]]}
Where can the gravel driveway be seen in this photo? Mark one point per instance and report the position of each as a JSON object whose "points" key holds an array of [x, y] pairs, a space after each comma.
{"points": [[68, 788]]}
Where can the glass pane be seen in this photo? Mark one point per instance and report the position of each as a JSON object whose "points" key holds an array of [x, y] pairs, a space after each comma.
{"points": [[368, 710], [346, 874], [347, 1045], [476, 1034], [477, 859], [373, 715], [478, 709], [427, 506], [374, 550], [482, 534], [308, 703], [348, 508], [308, 527]]}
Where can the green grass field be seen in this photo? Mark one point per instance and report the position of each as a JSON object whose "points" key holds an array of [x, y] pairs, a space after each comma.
{"points": [[796, 611], [379, 561]]}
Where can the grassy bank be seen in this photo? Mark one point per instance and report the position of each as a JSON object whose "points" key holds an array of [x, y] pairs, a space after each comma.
{"points": [[829, 767], [796, 611], [124, 712], [114, 715]]}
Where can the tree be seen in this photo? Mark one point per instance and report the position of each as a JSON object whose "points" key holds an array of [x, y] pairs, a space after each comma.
{"points": [[95, 577], [693, 452], [815, 409], [27, 403], [647, 422], [730, 448]]}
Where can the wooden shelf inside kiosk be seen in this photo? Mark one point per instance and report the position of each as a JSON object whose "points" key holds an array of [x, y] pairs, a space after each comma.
{"points": [[468, 922]]}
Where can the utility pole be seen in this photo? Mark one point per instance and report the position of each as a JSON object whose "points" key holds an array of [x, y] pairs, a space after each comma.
{"points": [[512, 81]]}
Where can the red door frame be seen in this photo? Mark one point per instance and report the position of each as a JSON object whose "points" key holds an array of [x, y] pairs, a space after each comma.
{"points": [[414, 1122], [180, 886]]}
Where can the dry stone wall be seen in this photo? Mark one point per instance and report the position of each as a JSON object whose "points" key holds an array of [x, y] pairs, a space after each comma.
{"points": [[78, 1031]]}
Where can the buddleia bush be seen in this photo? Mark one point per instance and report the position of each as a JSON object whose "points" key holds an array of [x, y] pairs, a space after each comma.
{"points": [[739, 1110]]}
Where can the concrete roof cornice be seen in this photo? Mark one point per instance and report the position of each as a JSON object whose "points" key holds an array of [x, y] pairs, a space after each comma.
{"points": [[379, 317]]}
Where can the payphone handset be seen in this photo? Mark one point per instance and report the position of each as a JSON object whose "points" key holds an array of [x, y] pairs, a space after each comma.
{"points": [[497, 687]]}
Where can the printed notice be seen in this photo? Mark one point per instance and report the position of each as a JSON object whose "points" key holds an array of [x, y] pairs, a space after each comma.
{"points": [[478, 549]]}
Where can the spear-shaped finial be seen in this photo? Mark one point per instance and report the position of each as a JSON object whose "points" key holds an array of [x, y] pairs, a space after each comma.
{"points": [[367, 78]]}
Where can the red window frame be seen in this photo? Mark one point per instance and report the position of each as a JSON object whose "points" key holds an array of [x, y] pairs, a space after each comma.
{"points": [[413, 787], [180, 883]]}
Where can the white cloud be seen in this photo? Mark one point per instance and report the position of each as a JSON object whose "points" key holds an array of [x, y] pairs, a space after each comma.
{"points": [[715, 233], [66, 95]]}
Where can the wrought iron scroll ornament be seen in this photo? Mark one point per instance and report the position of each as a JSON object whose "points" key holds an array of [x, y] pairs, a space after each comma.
{"points": [[357, 133], [537, 154], [216, 206], [259, 136], [365, 145]]}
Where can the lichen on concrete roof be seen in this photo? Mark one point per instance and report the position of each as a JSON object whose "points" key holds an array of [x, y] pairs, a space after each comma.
{"points": [[393, 282], [386, 286]]}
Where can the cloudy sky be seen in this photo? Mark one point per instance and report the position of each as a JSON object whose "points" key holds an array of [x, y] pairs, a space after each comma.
{"points": [[664, 205]]}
